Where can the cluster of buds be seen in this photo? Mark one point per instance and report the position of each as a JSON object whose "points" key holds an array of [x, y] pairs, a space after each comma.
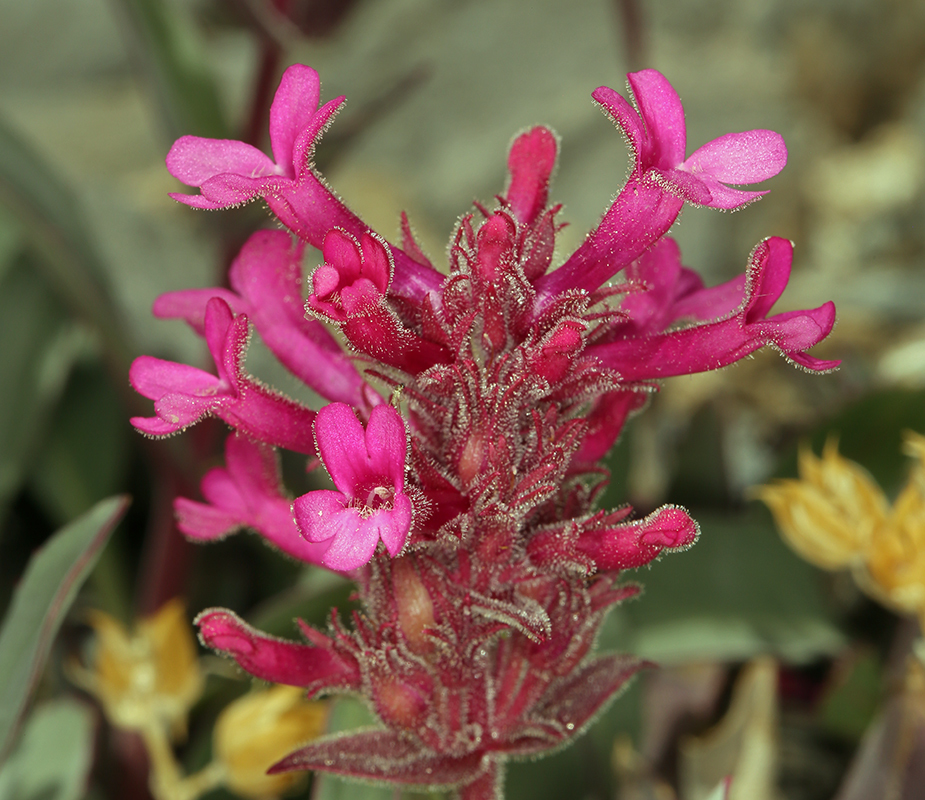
{"points": [[466, 419], [836, 517]]}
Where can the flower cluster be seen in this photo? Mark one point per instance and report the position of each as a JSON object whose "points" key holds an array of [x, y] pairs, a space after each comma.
{"points": [[837, 517], [508, 382]]}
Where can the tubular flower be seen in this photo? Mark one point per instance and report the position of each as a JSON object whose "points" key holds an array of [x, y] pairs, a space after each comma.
{"points": [[509, 381], [368, 468]]}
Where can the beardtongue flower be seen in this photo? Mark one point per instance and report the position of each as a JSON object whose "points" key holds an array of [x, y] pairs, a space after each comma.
{"points": [[509, 382], [368, 469]]}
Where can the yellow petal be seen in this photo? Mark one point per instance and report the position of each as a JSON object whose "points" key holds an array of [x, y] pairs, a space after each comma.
{"points": [[830, 514], [149, 676], [257, 730]]}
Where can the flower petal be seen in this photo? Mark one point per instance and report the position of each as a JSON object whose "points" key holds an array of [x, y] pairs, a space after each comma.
{"points": [[294, 105], [194, 159]]}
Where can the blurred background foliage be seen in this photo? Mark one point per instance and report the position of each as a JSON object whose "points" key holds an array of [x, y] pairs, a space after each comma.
{"points": [[92, 93]]}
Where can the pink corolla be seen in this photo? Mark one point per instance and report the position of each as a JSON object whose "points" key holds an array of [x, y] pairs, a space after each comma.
{"points": [[246, 493], [474, 639], [183, 395], [368, 469], [662, 180], [266, 285], [650, 344], [229, 173]]}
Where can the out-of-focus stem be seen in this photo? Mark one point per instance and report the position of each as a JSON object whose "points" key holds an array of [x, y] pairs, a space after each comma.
{"points": [[630, 17], [167, 781]]}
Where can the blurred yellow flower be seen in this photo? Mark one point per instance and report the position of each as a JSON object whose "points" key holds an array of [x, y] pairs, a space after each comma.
{"points": [[149, 676], [836, 516], [831, 513], [259, 729]]}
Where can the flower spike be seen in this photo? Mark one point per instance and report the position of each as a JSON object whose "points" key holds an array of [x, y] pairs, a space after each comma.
{"points": [[474, 638]]}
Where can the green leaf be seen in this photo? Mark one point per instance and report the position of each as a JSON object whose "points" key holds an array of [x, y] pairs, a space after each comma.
{"points": [[39, 347], [53, 223], [84, 456], [172, 58], [64, 728], [41, 600]]}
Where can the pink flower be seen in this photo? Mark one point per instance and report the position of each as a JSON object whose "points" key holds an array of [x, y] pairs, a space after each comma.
{"points": [[229, 173], [641, 350], [267, 281], [350, 290], [183, 395], [246, 493], [658, 135], [368, 469], [662, 180]]}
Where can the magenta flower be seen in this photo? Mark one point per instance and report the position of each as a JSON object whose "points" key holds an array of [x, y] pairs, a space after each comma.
{"points": [[183, 395], [662, 180], [368, 469], [656, 353], [474, 640], [267, 281], [246, 493], [229, 173]]}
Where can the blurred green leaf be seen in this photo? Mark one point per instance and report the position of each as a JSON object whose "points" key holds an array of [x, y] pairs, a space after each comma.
{"points": [[870, 432], [853, 694], [54, 225], [38, 350], [84, 455], [172, 58], [739, 591], [41, 600], [63, 728]]}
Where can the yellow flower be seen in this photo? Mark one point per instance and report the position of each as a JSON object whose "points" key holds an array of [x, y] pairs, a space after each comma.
{"points": [[831, 513], [836, 516], [895, 568], [149, 676], [257, 730]]}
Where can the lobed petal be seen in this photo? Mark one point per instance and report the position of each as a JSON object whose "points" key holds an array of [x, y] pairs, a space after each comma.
{"points": [[663, 114], [194, 160], [387, 445], [341, 444], [294, 105], [740, 158]]}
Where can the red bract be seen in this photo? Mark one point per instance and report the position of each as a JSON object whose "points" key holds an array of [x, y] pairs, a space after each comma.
{"points": [[478, 612]]}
